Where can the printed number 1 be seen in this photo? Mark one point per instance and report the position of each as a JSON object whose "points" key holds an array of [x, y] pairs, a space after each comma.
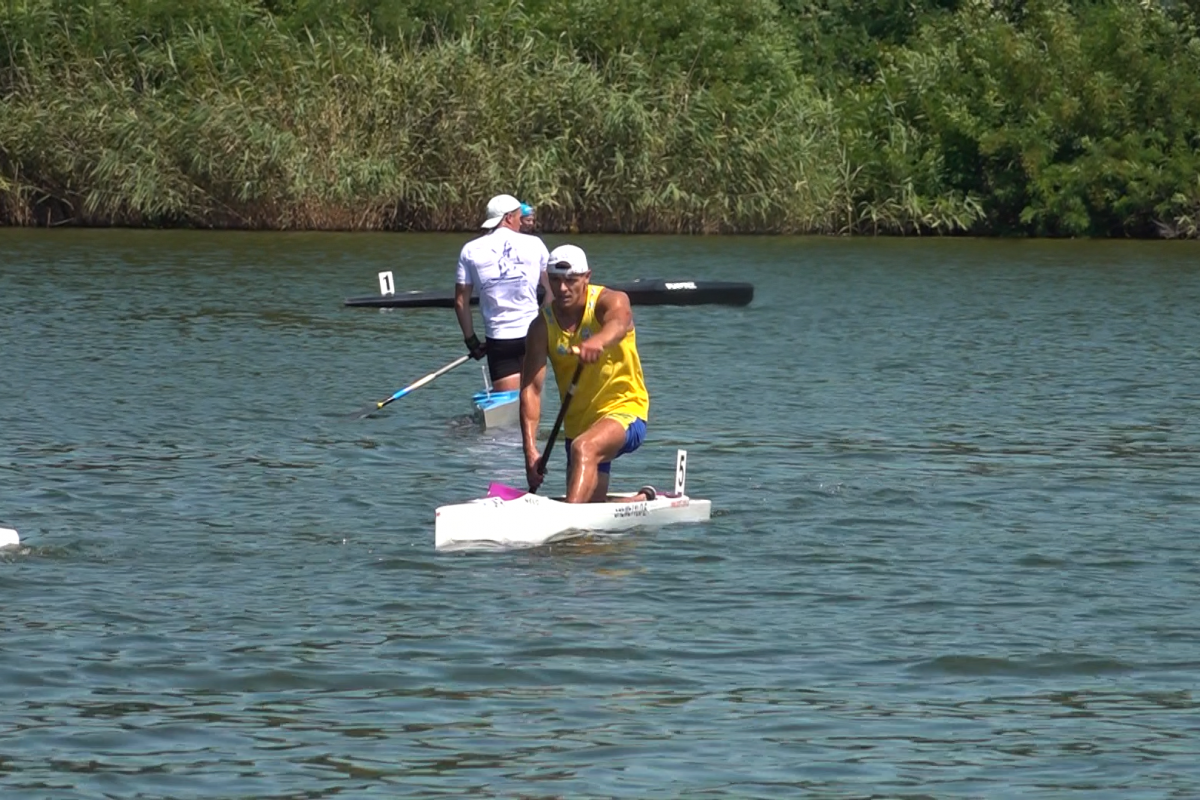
{"points": [[385, 283]]}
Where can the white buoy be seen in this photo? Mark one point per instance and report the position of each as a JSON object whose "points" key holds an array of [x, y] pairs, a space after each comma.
{"points": [[8, 537]]}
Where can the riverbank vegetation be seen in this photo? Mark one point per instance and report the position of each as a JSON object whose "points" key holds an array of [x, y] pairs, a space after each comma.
{"points": [[985, 117]]}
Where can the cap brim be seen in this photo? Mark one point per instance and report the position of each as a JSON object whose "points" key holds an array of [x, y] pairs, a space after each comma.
{"points": [[491, 222]]}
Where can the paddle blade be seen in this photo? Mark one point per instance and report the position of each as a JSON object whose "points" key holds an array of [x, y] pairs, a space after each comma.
{"points": [[366, 411], [504, 491]]}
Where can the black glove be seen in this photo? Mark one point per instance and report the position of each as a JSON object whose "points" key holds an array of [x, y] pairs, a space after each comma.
{"points": [[476, 348]]}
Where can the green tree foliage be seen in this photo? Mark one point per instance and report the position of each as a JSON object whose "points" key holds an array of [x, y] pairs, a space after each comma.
{"points": [[734, 43], [845, 40], [1069, 121], [1023, 117]]}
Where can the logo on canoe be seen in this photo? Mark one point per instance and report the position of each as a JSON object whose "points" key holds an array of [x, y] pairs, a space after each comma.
{"points": [[681, 285], [630, 510]]}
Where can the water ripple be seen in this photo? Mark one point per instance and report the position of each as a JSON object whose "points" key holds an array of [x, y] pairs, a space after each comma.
{"points": [[952, 553]]}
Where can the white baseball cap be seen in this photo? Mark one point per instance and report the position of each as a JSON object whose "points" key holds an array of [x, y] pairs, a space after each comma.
{"points": [[567, 259], [498, 206]]}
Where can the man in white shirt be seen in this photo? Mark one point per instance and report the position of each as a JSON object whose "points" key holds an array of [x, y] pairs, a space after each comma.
{"points": [[507, 266]]}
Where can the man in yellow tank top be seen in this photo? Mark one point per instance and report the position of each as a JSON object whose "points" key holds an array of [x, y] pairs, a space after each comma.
{"points": [[608, 412]]}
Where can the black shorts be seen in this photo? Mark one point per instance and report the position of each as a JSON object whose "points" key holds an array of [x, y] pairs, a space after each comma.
{"points": [[505, 357]]}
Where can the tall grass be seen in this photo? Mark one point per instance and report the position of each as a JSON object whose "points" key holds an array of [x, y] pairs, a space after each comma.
{"points": [[256, 128], [221, 113]]}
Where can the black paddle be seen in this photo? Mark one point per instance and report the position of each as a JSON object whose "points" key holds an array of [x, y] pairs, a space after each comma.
{"points": [[562, 413]]}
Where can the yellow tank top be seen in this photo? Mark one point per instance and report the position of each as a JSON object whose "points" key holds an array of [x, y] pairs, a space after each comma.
{"points": [[612, 385]]}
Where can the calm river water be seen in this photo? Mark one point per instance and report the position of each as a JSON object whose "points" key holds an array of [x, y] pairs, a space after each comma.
{"points": [[956, 488]]}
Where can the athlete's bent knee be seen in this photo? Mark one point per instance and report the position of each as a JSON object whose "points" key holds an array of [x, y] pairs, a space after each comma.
{"points": [[581, 453]]}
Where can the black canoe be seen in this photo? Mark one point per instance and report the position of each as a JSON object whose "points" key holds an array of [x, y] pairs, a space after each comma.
{"points": [[642, 292]]}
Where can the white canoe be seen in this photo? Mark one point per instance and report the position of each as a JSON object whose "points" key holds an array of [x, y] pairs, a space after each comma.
{"points": [[519, 519], [9, 537]]}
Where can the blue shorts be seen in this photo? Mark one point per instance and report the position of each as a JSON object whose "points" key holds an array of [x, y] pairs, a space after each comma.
{"points": [[635, 434]]}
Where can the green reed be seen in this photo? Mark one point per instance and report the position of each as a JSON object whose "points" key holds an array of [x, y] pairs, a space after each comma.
{"points": [[220, 113], [328, 131]]}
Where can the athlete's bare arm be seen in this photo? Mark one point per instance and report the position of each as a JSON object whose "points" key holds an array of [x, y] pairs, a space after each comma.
{"points": [[533, 378], [462, 309], [616, 319]]}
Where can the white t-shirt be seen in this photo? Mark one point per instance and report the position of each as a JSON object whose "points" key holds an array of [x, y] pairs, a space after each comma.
{"points": [[506, 266]]}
